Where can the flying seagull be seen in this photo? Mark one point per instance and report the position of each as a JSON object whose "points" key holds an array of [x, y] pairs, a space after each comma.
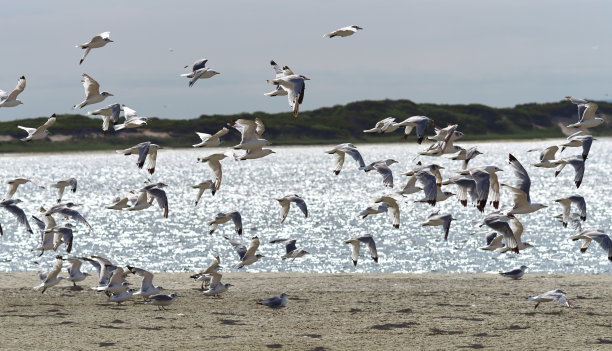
{"points": [[202, 187], [96, 42], [291, 250], [62, 184], [295, 86], [40, 132], [553, 295], [199, 70], [247, 256], [143, 150], [285, 203], [11, 206], [222, 217], [10, 100], [110, 114], [211, 140], [356, 243], [339, 152], [343, 32], [92, 92]]}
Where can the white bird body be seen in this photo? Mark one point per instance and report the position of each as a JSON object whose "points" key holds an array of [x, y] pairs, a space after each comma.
{"points": [[436, 219], [355, 246], [211, 140], [588, 119], [214, 163], [40, 132], [202, 187], [285, 203], [520, 194], [146, 288], [13, 184], [340, 151], [441, 134], [143, 150], [386, 125], [132, 120], [418, 122], [553, 295], [74, 271], [92, 92], [50, 278], [10, 100], [96, 42], [199, 70], [295, 86], [121, 297], [546, 156], [216, 288], [109, 114], [279, 72], [343, 32], [247, 256], [61, 186]]}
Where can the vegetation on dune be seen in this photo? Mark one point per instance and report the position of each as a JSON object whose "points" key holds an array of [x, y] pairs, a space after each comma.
{"points": [[334, 124]]}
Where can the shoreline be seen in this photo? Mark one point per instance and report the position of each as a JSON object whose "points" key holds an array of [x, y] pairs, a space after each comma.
{"points": [[394, 311]]}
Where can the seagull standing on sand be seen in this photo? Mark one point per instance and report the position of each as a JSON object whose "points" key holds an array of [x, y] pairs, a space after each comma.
{"points": [[109, 114], [10, 100], [62, 184], [40, 132], [132, 120], [553, 295], [96, 42], [599, 236], [275, 302], [343, 32], [146, 288], [143, 150], [247, 257], [515, 273], [339, 152], [285, 203], [11, 206], [356, 243], [50, 278], [295, 86], [161, 301], [202, 187], [199, 70], [222, 217], [215, 166], [444, 220], [211, 140], [291, 250], [92, 92], [520, 193]]}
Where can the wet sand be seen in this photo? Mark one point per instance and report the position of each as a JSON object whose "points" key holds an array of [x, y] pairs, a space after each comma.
{"points": [[324, 312]]}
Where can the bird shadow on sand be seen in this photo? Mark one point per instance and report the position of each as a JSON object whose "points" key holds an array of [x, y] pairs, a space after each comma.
{"points": [[231, 322], [436, 331], [472, 346], [389, 326]]}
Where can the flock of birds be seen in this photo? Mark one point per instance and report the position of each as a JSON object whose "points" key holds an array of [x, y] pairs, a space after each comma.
{"points": [[478, 186]]}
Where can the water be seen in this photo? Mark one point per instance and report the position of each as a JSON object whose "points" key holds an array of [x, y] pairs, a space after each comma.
{"points": [[181, 242]]}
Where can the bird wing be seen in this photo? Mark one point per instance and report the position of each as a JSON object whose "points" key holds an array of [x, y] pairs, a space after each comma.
{"points": [[339, 158], [73, 184], [238, 246], [524, 182], [483, 183], [162, 199], [386, 172], [143, 151], [20, 215], [260, 127], [215, 166], [589, 111], [74, 265], [57, 267], [92, 88], [215, 279], [147, 277], [549, 153], [580, 203], [355, 154], [199, 64], [284, 210], [237, 219], [253, 247], [128, 113], [21, 84], [74, 214], [446, 222], [368, 240], [47, 124], [247, 128], [220, 133], [518, 196], [300, 203], [578, 165], [429, 185], [116, 277]]}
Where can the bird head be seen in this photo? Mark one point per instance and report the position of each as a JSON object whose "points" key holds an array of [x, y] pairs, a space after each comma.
{"points": [[104, 93]]}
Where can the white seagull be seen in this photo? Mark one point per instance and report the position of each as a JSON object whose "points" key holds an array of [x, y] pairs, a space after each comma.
{"points": [[295, 86], [13, 184], [517, 230], [216, 287], [223, 217], [156, 192], [418, 122], [10, 100], [199, 70], [588, 119], [204, 274], [382, 167], [132, 120], [66, 210], [356, 243], [62, 184], [520, 193], [291, 251], [247, 256], [577, 162], [553, 295], [275, 302], [515, 273], [435, 219], [285, 203], [599, 236], [74, 271], [92, 92], [96, 42], [146, 288], [466, 155], [110, 114], [386, 125], [339, 152], [215, 166], [546, 156], [280, 72], [116, 283], [343, 32], [441, 134], [499, 223], [566, 204], [161, 301], [202, 187], [50, 278], [143, 150], [122, 296], [211, 140], [11, 206], [579, 140], [40, 132]]}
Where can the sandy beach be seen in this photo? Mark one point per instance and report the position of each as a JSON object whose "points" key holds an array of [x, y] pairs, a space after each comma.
{"points": [[324, 312]]}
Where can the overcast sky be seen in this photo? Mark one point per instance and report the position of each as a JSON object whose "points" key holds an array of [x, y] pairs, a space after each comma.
{"points": [[498, 53]]}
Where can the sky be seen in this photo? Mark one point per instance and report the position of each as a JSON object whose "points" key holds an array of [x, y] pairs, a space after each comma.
{"points": [[497, 53]]}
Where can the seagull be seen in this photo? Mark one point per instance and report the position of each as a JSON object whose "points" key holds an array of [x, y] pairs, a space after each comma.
{"points": [[546, 156], [287, 200], [132, 120], [577, 162], [62, 184], [443, 147], [515, 273], [198, 70], [392, 208], [339, 152], [430, 187], [119, 203], [222, 217], [142, 202], [433, 169], [116, 283], [74, 271], [494, 242], [520, 193], [441, 134], [418, 122], [254, 153], [580, 103], [61, 234], [466, 156], [566, 203], [202, 187], [588, 119], [251, 141], [143, 149], [466, 185], [599, 236], [161, 301], [499, 223], [294, 85], [382, 167], [386, 125], [279, 73], [204, 274], [553, 295], [211, 140], [482, 185], [216, 287], [247, 257], [410, 187], [40, 132], [215, 166], [11, 206], [13, 184], [156, 192], [374, 209], [291, 250], [356, 243], [444, 220], [96, 42], [122, 296], [47, 238], [66, 210], [579, 140], [92, 92], [343, 32], [10, 100], [50, 278], [103, 266], [517, 230], [109, 114], [275, 302], [146, 288]]}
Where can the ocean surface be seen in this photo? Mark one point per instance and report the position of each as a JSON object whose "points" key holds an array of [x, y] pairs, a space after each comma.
{"points": [[181, 242]]}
